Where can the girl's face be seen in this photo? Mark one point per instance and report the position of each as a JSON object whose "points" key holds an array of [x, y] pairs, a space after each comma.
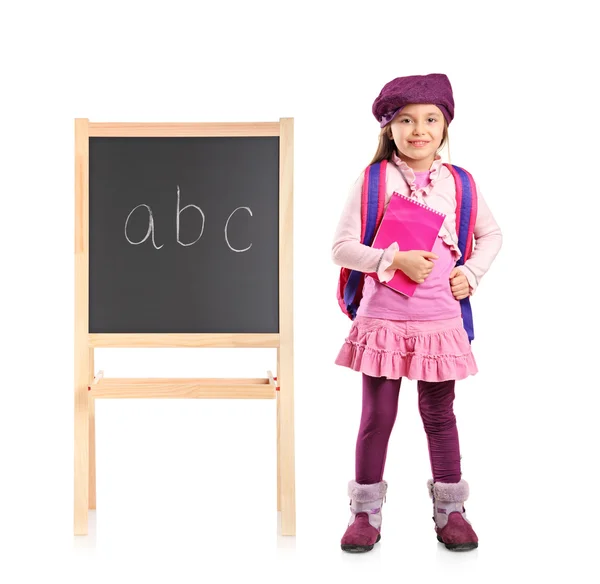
{"points": [[418, 130]]}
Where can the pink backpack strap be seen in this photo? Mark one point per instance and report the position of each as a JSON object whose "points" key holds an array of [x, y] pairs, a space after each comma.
{"points": [[466, 209], [466, 214], [370, 209]]}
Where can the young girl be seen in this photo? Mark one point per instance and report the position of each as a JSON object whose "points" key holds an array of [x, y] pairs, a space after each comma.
{"points": [[420, 337]]}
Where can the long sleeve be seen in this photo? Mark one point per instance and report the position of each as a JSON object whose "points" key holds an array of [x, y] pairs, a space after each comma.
{"points": [[488, 241], [347, 249]]}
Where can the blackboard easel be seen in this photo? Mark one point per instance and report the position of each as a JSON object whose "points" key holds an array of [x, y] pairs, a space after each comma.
{"points": [[90, 386]]}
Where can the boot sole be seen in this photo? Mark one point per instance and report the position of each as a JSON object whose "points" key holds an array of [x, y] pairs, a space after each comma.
{"points": [[356, 549], [459, 547]]}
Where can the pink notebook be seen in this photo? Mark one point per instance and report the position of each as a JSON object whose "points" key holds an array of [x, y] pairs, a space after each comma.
{"points": [[412, 225]]}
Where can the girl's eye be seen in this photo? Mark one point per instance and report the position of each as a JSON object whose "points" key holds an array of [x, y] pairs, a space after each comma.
{"points": [[432, 119]]}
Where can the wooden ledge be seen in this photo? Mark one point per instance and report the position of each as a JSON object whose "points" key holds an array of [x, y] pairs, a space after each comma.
{"points": [[212, 340], [255, 388]]}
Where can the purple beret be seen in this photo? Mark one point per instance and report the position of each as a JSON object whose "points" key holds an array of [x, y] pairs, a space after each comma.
{"points": [[433, 88]]}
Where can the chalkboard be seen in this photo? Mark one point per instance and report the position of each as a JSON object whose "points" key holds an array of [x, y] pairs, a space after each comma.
{"points": [[184, 234]]}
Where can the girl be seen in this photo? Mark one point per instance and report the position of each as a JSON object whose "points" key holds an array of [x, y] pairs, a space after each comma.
{"points": [[420, 337]]}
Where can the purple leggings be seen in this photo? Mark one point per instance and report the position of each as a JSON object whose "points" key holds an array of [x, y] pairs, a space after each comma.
{"points": [[380, 406]]}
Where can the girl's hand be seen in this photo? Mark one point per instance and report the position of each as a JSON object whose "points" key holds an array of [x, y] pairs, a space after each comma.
{"points": [[415, 264], [460, 284]]}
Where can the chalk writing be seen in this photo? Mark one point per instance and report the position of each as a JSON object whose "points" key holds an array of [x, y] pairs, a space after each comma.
{"points": [[178, 214]]}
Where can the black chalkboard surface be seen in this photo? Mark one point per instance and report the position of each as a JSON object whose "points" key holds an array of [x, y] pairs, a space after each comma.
{"points": [[184, 234]]}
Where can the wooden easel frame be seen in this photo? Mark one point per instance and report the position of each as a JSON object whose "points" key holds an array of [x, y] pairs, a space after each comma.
{"points": [[89, 387]]}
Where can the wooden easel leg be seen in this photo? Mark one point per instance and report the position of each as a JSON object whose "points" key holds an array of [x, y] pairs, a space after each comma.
{"points": [[278, 453], [92, 470], [82, 444], [278, 441], [92, 409], [83, 364], [285, 354], [287, 456]]}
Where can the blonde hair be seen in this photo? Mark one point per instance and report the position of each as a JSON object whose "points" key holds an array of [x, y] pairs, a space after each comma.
{"points": [[387, 146]]}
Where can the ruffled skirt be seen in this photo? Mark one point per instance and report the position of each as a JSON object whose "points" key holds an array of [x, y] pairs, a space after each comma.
{"points": [[428, 350]]}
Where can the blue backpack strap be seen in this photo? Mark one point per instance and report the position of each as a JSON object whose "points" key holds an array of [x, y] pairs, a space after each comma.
{"points": [[371, 212], [466, 214]]}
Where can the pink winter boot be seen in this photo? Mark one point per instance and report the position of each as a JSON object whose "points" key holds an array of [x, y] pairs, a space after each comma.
{"points": [[364, 527], [453, 528]]}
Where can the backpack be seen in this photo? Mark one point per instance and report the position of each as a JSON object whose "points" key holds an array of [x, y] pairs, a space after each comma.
{"points": [[350, 284]]}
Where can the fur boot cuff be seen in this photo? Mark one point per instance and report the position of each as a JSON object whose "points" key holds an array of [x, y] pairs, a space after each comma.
{"points": [[366, 493], [450, 492]]}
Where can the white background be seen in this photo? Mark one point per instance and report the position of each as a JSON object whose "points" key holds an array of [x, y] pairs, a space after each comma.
{"points": [[186, 488]]}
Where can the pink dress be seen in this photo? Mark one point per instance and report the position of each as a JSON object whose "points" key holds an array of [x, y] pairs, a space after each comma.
{"points": [[421, 337]]}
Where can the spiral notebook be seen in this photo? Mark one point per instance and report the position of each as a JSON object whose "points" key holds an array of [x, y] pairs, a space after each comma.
{"points": [[412, 225]]}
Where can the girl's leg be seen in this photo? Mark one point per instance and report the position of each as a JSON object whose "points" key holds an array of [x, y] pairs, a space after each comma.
{"points": [[436, 399], [379, 409]]}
